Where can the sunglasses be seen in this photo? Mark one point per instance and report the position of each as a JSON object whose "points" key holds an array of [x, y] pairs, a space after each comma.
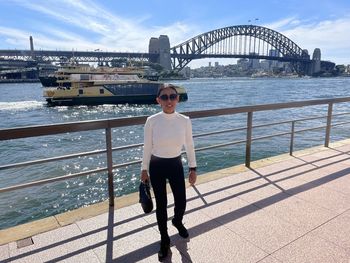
{"points": [[166, 97]]}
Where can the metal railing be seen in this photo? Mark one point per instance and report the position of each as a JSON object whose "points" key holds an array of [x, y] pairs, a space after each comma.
{"points": [[107, 125]]}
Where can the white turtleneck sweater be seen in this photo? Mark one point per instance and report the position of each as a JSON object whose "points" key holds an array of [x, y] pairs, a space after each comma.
{"points": [[165, 135]]}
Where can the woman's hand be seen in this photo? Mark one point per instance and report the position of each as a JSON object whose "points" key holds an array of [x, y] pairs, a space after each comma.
{"points": [[144, 176], [192, 177]]}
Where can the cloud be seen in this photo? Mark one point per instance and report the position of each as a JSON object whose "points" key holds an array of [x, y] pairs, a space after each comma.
{"points": [[15, 37], [328, 35], [99, 28], [280, 24], [86, 15], [85, 25]]}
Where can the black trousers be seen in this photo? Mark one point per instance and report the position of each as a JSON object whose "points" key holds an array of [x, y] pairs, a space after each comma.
{"points": [[160, 170]]}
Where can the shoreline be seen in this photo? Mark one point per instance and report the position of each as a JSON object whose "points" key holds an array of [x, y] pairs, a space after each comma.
{"points": [[6, 81]]}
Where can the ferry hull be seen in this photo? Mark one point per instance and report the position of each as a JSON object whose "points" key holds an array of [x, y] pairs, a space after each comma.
{"points": [[93, 101], [93, 88]]}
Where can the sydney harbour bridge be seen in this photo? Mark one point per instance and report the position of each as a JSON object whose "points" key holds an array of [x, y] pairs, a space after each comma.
{"points": [[241, 41]]}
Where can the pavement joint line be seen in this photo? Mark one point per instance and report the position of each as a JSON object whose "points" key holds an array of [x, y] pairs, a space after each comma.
{"points": [[26, 230], [247, 240], [63, 257], [87, 241], [328, 222], [309, 231]]}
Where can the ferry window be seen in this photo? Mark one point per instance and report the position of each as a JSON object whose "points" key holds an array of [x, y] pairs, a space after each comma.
{"points": [[84, 77], [102, 91], [81, 91]]}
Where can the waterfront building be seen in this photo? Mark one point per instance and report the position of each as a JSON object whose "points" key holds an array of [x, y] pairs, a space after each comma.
{"points": [[253, 62]]}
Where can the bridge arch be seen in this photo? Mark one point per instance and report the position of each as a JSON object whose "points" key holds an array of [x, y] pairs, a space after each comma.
{"points": [[238, 42]]}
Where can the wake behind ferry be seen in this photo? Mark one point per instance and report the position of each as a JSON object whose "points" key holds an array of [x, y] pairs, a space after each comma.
{"points": [[109, 87]]}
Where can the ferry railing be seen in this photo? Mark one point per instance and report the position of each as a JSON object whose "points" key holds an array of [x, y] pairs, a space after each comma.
{"points": [[54, 129]]}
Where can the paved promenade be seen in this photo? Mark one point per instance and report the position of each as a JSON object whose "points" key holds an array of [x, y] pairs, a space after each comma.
{"points": [[283, 209]]}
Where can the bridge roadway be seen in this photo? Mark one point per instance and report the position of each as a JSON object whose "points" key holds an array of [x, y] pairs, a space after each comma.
{"points": [[284, 209], [240, 41], [80, 56]]}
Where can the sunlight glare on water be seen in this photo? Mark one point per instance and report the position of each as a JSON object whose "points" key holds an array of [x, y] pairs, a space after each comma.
{"points": [[23, 105]]}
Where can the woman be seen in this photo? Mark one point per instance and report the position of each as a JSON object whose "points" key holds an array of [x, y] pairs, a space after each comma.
{"points": [[165, 134]]}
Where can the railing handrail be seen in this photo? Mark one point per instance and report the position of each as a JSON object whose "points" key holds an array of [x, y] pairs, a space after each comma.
{"points": [[108, 124], [52, 129]]}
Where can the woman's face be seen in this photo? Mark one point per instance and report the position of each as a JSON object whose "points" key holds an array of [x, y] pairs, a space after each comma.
{"points": [[168, 100]]}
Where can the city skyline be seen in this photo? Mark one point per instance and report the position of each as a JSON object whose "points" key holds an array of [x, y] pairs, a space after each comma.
{"points": [[128, 26]]}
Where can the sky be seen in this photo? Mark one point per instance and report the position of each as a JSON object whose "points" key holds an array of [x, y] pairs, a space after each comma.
{"points": [[114, 25]]}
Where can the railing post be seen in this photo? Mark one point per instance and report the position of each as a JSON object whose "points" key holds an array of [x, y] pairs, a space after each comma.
{"points": [[292, 139], [249, 138], [329, 123], [109, 166]]}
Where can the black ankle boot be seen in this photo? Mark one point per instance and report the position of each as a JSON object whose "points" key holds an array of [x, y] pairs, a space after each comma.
{"points": [[164, 247], [180, 227]]}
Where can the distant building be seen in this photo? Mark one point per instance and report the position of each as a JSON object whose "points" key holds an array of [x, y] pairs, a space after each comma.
{"points": [[265, 65], [243, 63], [186, 72], [347, 69], [253, 62], [273, 63]]}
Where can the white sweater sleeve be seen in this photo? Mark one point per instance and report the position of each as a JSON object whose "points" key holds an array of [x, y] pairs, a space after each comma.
{"points": [[189, 145], [147, 147]]}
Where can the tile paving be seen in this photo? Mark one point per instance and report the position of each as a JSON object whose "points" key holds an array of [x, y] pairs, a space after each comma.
{"points": [[295, 210]]}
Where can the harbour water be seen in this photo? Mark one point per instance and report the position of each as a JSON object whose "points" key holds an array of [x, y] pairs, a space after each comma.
{"points": [[22, 105]]}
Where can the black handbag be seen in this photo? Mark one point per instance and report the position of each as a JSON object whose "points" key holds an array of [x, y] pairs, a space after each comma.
{"points": [[145, 197]]}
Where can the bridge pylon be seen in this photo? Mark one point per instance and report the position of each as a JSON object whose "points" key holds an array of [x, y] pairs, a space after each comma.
{"points": [[160, 47]]}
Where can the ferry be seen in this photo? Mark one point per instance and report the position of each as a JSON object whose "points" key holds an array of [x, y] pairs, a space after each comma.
{"points": [[50, 80], [97, 89]]}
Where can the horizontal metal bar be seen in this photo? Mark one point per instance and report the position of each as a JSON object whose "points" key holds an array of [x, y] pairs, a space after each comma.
{"points": [[42, 130], [126, 164], [310, 129], [46, 160], [340, 123], [299, 120], [271, 124], [265, 137], [265, 125], [310, 118], [64, 157], [263, 107], [34, 131], [219, 145], [262, 137], [255, 126], [50, 180], [320, 117], [339, 114], [270, 136], [124, 147], [218, 132]]}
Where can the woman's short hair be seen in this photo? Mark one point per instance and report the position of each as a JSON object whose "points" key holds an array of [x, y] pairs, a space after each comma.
{"points": [[166, 86]]}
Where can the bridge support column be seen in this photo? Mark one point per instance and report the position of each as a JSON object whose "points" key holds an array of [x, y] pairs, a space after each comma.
{"points": [[316, 62], [161, 46]]}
